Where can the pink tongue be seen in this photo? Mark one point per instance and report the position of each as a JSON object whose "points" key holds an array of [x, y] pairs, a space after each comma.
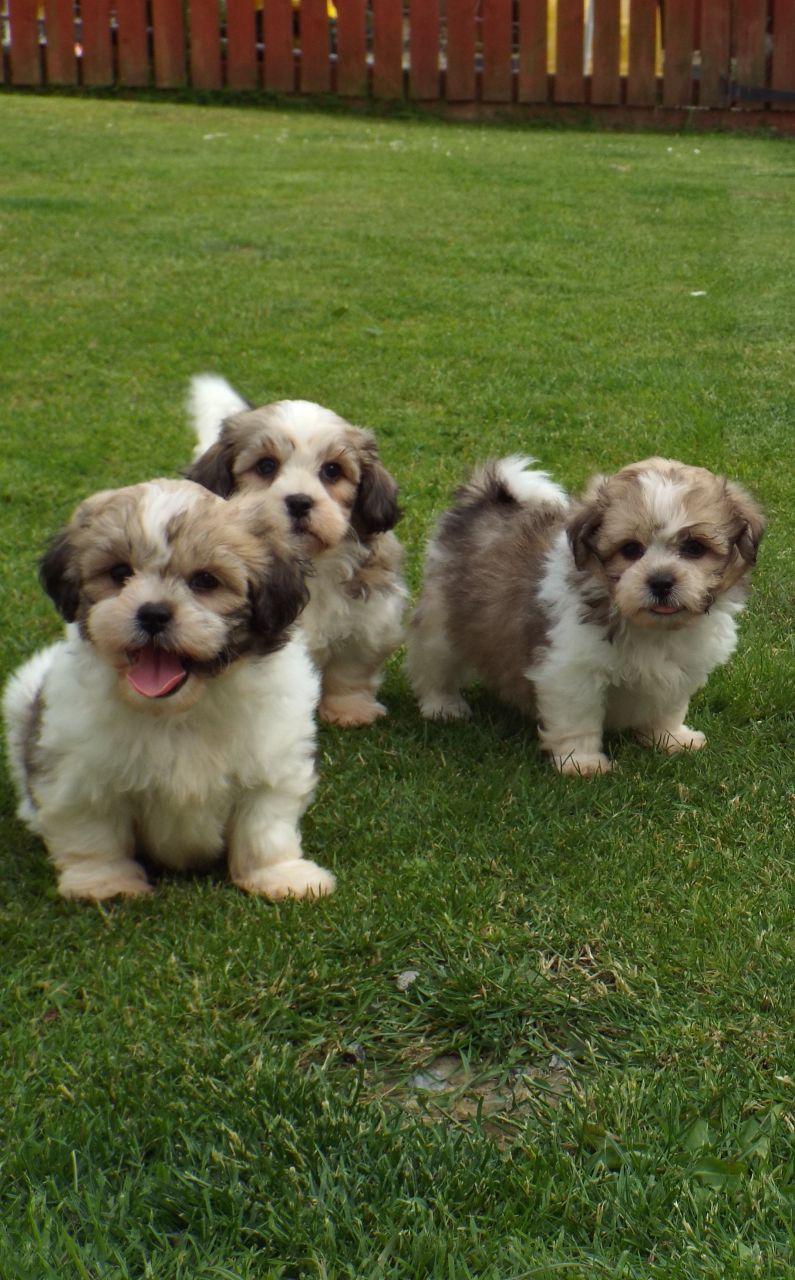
{"points": [[155, 673], [664, 608]]}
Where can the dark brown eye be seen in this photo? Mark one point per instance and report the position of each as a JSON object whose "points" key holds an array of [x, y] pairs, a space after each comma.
{"points": [[692, 549], [632, 550], [330, 471], [266, 467], [203, 581], [119, 573]]}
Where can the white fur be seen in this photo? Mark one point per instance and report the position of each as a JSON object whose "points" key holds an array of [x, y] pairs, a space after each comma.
{"points": [[235, 770], [210, 400], [530, 486]]}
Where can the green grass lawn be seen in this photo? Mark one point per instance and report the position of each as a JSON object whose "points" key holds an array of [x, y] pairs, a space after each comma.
{"points": [[201, 1085]]}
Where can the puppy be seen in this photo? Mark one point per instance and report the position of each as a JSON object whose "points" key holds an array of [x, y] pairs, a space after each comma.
{"points": [[326, 476], [608, 613], [176, 718]]}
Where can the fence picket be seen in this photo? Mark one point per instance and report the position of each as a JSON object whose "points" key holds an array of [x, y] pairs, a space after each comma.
{"points": [[497, 36], [750, 20], [783, 69], [315, 55], [168, 31], [59, 25], [677, 53], [388, 48], [95, 38], [460, 74], [642, 73], [424, 44], [715, 52], [279, 60], [569, 78], [533, 73], [205, 44], [132, 44], [351, 48], [241, 44], [605, 78], [25, 63]]}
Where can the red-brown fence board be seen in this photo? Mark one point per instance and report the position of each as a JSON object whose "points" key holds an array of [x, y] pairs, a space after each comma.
{"points": [[605, 78], [95, 39], [642, 75], [497, 40], [169, 43], [715, 52], [388, 48], [133, 49], [460, 74], [351, 48], [569, 78], [424, 67], [59, 25], [750, 20], [279, 61], [677, 53], [25, 63], [533, 74], [315, 53], [783, 72], [241, 44], [205, 44]]}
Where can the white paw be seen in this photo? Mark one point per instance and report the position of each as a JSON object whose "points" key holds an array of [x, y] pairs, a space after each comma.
{"points": [[352, 711], [95, 883], [298, 878], [445, 706], [582, 766], [682, 738]]}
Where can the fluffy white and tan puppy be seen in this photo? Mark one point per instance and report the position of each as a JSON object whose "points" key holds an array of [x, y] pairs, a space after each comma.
{"points": [[607, 613], [177, 717], [326, 476]]}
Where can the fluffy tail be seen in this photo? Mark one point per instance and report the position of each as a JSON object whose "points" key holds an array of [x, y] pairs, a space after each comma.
{"points": [[511, 480], [210, 400]]}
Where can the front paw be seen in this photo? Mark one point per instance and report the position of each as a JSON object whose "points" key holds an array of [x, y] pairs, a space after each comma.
{"points": [[94, 883], [350, 711], [681, 738], [582, 766], [445, 706], [298, 878]]}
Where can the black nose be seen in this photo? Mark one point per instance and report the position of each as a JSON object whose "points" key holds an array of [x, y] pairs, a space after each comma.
{"points": [[153, 618], [298, 504], [661, 584]]}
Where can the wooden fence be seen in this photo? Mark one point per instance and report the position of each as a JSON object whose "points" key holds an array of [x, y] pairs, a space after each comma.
{"points": [[468, 56]]}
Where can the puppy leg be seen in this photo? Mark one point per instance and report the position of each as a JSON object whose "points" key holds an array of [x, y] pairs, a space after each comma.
{"points": [[671, 734], [349, 688], [571, 712], [435, 671], [93, 857], [265, 849]]}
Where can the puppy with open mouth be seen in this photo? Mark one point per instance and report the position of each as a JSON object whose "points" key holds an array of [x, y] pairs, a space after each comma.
{"points": [[607, 613], [177, 717], [326, 476]]}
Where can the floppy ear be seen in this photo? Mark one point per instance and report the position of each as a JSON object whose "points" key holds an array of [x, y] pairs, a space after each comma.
{"points": [[376, 509], [213, 469], [751, 520], [277, 598], [60, 576], [580, 530]]}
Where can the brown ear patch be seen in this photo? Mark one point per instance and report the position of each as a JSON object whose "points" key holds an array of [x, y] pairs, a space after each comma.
{"points": [[214, 469], [60, 576], [376, 507]]}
